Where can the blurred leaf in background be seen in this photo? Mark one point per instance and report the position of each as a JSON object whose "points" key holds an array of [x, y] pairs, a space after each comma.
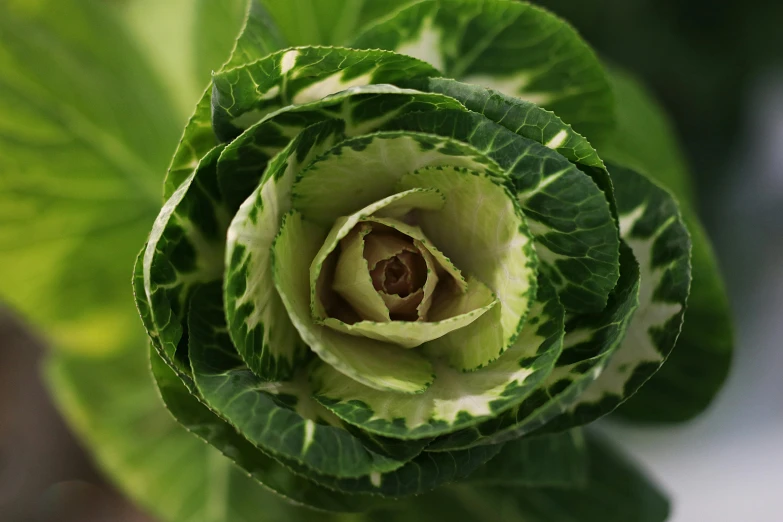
{"points": [[93, 97]]}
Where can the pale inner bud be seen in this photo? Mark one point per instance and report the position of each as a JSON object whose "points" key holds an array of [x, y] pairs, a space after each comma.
{"points": [[398, 272]]}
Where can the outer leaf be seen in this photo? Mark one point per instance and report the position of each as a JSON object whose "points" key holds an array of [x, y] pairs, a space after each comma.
{"points": [[421, 475], [530, 121], [215, 30], [258, 38], [512, 47], [185, 248], [243, 95], [557, 461], [615, 492], [698, 366], [576, 235], [455, 400], [258, 323], [590, 342], [327, 22], [362, 109], [269, 473], [650, 223], [76, 192], [279, 418], [376, 364]]}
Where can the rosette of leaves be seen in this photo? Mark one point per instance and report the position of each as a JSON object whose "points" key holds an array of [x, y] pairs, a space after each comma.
{"points": [[396, 273], [377, 274]]}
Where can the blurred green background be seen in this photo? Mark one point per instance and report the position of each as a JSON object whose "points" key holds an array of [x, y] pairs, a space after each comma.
{"points": [[93, 97]]}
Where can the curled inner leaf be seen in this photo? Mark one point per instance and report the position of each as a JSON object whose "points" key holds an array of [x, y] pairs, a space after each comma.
{"points": [[380, 277]]}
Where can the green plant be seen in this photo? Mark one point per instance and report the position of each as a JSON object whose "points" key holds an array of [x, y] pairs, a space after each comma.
{"points": [[546, 267]]}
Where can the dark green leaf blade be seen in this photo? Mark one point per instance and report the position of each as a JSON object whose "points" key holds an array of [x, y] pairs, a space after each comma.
{"points": [[243, 95], [559, 461], [326, 22], [513, 47], [575, 233], [196, 418], [278, 417]]}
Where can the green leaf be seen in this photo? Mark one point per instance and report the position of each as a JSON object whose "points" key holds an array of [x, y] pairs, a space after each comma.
{"points": [[278, 417], [269, 473], [645, 139], [370, 362], [420, 475], [243, 95], [185, 249], [530, 121], [455, 399], [615, 492], [557, 461], [589, 343], [700, 362], [76, 190], [512, 47], [362, 109], [326, 22], [257, 39], [651, 224], [259, 325], [196, 141], [576, 235]]}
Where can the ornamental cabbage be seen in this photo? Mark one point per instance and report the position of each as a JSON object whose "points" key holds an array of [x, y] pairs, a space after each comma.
{"points": [[405, 263]]}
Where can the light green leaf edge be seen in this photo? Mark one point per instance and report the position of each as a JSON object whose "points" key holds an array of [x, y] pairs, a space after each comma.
{"points": [[243, 95], [351, 279], [259, 325], [360, 167], [456, 399], [370, 362], [185, 248], [512, 47]]}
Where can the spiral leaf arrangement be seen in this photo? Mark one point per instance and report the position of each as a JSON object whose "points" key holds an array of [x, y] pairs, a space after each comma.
{"points": [[384, 267]]}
